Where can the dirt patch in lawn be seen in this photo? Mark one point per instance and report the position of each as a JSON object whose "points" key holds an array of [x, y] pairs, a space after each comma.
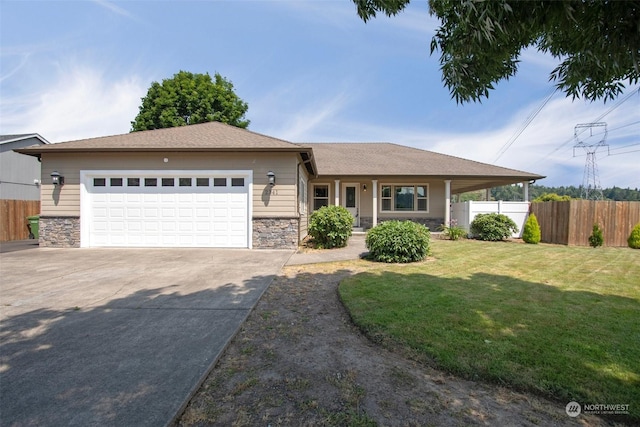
{"points": [[298, 360]]}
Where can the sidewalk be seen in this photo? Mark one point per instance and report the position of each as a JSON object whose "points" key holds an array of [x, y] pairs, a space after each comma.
{"points": [[355, 249]]}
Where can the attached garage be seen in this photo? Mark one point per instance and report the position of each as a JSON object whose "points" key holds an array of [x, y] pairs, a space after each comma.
{"points": [[183, 208]]}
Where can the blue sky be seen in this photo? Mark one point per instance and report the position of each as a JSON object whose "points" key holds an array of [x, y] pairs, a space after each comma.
{"points": [[311, 71]]}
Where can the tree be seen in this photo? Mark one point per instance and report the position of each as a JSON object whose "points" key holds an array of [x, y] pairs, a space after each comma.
{"points": [[187, 99], [597, 42]]}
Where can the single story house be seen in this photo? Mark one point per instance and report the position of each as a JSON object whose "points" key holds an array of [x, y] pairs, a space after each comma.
{"points": [[215, 185]]}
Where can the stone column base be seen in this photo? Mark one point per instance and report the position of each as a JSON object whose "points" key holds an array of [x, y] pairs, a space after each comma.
{"points": [[59, 231], [275, 233]]}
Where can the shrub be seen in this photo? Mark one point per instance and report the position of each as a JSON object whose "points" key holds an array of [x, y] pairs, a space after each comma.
{"points": [[493, 227], [596, 239], [398, 241], [330, 226], [551, 197], [453, 231], [634, 237], [531, 231]]}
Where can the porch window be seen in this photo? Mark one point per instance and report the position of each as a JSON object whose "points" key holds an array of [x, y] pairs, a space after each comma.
{"points": [[320, 196], [404, 198]]}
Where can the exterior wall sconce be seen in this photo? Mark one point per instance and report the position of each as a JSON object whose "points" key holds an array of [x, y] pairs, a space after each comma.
{"points": [[364, 187], [272, 178], [56, 178]]}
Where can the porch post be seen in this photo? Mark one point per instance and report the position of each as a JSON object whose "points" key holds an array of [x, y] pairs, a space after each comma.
{"points": [[447, 202], [337, 193], [525, 189], [374, 184]]}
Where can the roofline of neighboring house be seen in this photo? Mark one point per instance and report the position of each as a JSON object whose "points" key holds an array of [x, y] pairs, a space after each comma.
{"points": [[26, 136]]}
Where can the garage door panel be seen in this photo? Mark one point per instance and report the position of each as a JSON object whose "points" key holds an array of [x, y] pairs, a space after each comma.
{"points": [[124, 211]]}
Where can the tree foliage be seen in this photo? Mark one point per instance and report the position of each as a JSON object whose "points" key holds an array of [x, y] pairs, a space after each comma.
{"points": [[515, 193], [187, 99], [596, 42]]}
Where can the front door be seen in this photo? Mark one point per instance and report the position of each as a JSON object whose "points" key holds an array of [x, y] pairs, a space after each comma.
{"points": [[351, 201]]}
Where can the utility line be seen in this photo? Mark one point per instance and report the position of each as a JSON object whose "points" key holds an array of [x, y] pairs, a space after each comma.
{"points": [[526, 123], [596, 120]]}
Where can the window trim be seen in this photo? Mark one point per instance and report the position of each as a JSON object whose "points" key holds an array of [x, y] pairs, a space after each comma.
{"points": [[392, 199]]}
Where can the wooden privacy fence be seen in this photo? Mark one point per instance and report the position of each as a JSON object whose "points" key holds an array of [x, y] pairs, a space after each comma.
{"points": [[13, 218], [571, 222]]}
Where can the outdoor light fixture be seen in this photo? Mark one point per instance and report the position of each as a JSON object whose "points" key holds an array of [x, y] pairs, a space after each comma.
{"points": [[56, 178], [272, 178], [364, 187]]}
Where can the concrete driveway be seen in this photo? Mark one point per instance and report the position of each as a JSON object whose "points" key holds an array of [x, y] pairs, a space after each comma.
{"points": [[118, 336]]}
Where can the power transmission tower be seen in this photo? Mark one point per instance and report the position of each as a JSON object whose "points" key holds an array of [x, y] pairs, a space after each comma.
{"points": [[591, 189]]}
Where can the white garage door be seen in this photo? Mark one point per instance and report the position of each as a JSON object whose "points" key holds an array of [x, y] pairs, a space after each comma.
{"points": [[166, 209]]}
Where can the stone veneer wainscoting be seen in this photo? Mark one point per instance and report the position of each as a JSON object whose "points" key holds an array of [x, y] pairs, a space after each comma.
{"points": [[275, 233], [59, 231]]}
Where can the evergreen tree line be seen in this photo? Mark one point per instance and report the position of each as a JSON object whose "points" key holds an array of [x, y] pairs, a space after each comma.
{"points": [[515, 193]]}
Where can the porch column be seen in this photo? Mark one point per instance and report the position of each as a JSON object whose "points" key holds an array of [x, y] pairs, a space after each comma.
{"points": [[525, 189], [337, 193], [374, 184], [447, 202]]}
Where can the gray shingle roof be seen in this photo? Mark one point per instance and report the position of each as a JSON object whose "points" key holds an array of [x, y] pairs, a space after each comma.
{"points": [[211, 136], [386, 159]]}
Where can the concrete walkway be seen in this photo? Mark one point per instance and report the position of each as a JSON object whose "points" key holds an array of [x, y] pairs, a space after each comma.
{"points": [[355, 249], [118, 337]]}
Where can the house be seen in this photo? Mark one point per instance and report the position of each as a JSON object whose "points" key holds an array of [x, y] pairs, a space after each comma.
{"points": [[19, 185], [215, 185]]}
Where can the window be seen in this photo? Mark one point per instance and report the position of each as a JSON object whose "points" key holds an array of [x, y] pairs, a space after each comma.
{"points": [[151, 182], [302, 194], [404, 198], [385, 197], [237, 182], [115, 182], [99, 182], [133, 182], [219, 182], [168, 182], [184, 182], [320, 196], [202, 182]]}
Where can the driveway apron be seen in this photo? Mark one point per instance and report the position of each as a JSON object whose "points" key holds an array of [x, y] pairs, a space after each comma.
{"points": [[118, 336]]}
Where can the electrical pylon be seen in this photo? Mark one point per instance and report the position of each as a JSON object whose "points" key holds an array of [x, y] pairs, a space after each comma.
{"points": [[591, 189]]}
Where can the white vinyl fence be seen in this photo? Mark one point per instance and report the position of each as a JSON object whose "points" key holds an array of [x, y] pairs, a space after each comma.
{"points": [[464, 213]]}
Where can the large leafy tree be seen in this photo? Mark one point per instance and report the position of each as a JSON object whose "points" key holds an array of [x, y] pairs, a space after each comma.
{"points": [[189, 98], [597, 42]]}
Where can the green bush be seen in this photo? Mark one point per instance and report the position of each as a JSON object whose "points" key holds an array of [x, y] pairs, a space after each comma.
{"points": [[493, 227], [398, 241], [531, 231], [330, 226], [453, 231], [634, 237], [596, 239]]}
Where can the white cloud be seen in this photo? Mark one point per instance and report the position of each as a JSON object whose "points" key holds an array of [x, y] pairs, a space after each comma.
{"points": [[79, 102]]}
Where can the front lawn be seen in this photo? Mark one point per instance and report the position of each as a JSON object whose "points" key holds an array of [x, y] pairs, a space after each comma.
{"points": [[560, 321]]}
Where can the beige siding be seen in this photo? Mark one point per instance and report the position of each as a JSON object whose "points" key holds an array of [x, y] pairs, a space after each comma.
{"points": [[279, 201], [435, 196]]}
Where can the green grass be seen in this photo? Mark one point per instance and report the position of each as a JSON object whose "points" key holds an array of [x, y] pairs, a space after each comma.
{"points": [[561, 321]]}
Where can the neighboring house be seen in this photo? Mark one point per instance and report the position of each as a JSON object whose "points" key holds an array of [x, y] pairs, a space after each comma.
{"points": [[19, 175], [208, 185], [19, 185]]}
